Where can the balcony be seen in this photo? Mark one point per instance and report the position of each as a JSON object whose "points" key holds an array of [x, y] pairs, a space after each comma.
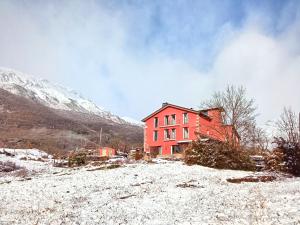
{"points": [[171, 123]]}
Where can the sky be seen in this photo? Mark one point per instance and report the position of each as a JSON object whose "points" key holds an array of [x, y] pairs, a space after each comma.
{"points": [[130, 56]]}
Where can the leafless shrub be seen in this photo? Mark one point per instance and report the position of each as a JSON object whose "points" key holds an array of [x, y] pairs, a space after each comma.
{"points": [[7, 153], [21, 173], [286, 157], [8, 166], [59, 163]]}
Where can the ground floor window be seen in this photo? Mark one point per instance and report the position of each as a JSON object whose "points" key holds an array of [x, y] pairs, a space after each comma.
{"points": [[160, 150], [176, 149]]}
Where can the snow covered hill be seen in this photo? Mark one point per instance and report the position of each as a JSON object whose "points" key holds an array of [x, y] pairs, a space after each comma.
{"points": [[53, 95], [159, 193]]}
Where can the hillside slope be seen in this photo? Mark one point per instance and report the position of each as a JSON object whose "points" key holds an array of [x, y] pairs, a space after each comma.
{"points": [[27, 123], [53, 95]]}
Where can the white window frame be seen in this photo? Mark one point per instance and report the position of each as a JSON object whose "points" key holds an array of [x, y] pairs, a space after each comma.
{"points": [[166, 120], [173, 120], [166, 132], [188, 133], [187, 118], [173, 134]]}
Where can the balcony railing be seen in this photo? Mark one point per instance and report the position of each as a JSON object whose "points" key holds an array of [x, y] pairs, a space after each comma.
{"points": [[170, 123]]}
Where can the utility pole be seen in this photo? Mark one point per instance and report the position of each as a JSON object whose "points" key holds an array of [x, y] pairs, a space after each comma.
{"points": [[100, 137]]}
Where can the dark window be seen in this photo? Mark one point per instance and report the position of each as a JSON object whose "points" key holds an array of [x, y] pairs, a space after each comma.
{"points": [[167, 134], [205, 112], [155, 135], [176, 149], [166, 120], [155, 122]]}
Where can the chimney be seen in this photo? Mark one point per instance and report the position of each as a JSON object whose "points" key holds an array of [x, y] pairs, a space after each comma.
{"points": [[165, 104]]}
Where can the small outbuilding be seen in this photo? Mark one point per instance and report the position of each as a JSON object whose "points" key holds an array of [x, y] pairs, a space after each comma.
{"points": [[107, 151]]}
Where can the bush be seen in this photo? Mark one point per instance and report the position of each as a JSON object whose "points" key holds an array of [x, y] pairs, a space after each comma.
{"points": [[274, 161], [8, 166], [285, 158], [292, 161], [218, 155], [77, 159]]}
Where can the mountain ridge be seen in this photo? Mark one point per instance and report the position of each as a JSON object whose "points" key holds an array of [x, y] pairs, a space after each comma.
{"points": [[30, 118], [54, 95]]}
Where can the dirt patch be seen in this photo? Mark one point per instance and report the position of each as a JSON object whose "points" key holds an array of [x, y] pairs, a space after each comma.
{"points": [[127, 196], [139, 184], [108, 167], [265, 178], [189, 184]]}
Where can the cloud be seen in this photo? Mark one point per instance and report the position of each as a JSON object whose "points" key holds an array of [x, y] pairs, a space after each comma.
{"points": [[129, 58]]}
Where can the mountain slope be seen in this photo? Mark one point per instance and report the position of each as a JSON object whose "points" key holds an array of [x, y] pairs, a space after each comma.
{"points": [[38, 114], [52, 95]]}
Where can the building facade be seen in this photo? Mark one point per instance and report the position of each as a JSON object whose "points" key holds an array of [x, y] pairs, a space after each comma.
{"points": [[172, 128], [106, 151]]}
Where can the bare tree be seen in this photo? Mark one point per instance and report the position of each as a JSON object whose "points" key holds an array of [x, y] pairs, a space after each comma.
{"points": [[258, 139], [239, 110], [288, 126], [288, 141]]}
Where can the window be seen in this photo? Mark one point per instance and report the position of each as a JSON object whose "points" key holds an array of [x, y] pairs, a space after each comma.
{"points": [[167, 134], [185, 133], [160, 150], [185, 118], [166, 120], [176, 149], [173, 134], [205, 112], [155, 122], [223, 117], [173, 121], [155, 135]]}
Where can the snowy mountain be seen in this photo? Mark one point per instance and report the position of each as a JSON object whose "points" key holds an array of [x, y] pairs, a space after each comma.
{"points": [[132, 121], [53, 95]]}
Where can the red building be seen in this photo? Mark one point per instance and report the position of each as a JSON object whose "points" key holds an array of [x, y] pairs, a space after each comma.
{"points": [[171, 128], [106, 151]]}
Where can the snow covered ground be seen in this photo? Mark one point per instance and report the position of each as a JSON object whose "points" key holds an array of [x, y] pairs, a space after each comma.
{"points": [[155, 193]]}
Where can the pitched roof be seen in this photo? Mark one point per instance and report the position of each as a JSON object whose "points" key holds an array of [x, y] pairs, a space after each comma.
{"points": [[166, 105], [215, 108]]}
